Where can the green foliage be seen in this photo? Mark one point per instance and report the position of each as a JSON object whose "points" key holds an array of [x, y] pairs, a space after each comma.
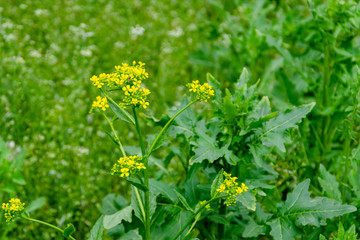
{"points": [[290, 119], [349, 234], [70, 229], [111, 221], [300, 209], [97, 230]]}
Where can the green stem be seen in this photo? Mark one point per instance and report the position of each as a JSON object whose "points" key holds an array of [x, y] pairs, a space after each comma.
{"points": [[194, 215], [221, 227], [46, 224], [116, 136], [167, 125], [140, 202], [124, 155], [325, 102], [139, 132], [146, 180]]}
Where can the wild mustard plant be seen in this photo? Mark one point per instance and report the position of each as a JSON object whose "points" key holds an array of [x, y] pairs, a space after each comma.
{"points": [[127, 82], [15, 208]]}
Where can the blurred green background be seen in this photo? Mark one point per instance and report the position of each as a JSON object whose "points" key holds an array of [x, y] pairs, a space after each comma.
{"points": [[50, 49]]}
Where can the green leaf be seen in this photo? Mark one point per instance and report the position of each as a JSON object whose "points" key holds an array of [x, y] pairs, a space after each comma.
{"points": [[120, 112], [136, 205], [113, 203], [350, 234], [184, 202], [207, 147], [157, 187], [258, 152], [312, 211], [97, 230], [18, 178], [252, 229], [216, 183], [243, 79], [36, 204], [273, 133], [132, 235], [161, 136], [70, 229], [152, 203], [112, 138], [173, 226], [248, 200], [19, 160], [136, 182], [229, 109], [187, 119], [356, 153], [111, 221], [216, 218], [322, 237], [304, 211], [282, 229], [329, 184]]}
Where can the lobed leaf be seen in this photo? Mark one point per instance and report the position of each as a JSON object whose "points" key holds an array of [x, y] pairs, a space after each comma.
{"points": [[300, 209], [274, 129], [111, 221], [97, 230]]}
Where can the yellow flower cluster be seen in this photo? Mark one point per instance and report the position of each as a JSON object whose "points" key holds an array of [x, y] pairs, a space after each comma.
{"points": [[204, 92], [100, 103], [128, 165], [231, 188], [135, 95], [13, 209], [127, 79]]}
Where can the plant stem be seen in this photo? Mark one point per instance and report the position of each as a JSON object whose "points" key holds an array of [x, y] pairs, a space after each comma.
{"points": [[46, 224], [325, 102], [194, 215], [167, 125], [124, 155], [116, 136], [221, 227], [139, 132], [146, 179]]}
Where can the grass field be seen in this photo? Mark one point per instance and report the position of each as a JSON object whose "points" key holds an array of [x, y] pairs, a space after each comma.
{"points": [[298, 53]]}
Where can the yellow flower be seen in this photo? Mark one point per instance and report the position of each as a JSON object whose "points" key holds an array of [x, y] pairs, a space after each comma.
{"points": [[221, 188], [124, 172], [239, 190], [13, 209], [97, 81], [126, 166], [204, 92], [100, 103], [231, 188], [127, 79]]}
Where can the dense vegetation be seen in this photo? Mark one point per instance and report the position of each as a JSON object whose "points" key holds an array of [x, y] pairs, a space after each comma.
{"points": [[284, 119]]}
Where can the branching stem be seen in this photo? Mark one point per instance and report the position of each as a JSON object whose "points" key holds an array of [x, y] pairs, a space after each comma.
{"points": [[46, 224]]}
